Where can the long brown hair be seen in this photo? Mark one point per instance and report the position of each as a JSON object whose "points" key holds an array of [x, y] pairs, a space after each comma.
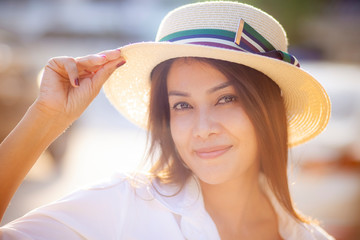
{"points": [[262, 101]]}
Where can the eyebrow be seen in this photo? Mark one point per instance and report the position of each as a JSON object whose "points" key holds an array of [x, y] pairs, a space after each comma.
{"points": [[178, 93], [211, 90], [219, 87]]}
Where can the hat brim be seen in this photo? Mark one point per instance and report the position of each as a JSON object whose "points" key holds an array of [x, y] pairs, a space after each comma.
{"points": [[306, 102]]}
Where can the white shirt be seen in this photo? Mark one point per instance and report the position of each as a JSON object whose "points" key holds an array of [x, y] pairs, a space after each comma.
{"points": [[134, 208]]}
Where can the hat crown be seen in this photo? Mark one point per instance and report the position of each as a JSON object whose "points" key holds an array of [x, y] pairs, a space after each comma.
{"points": [[224, 16]]}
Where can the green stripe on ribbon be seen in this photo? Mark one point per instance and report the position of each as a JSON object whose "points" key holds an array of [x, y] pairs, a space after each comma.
{"points": [[258, 36], [220, 32], [286, 57]]}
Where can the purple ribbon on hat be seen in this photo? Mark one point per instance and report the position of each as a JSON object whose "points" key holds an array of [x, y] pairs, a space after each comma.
{"points": [[246, 39]]}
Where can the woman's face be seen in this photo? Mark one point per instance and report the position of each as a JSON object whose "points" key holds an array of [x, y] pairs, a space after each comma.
{"points": [[211, 131]]}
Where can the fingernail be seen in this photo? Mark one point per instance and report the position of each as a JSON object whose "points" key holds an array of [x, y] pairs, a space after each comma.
{"points": [[77, 82], [120, 64]]}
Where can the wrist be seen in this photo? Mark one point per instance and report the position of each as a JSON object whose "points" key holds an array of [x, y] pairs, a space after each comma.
{"points": [[49, 117]]}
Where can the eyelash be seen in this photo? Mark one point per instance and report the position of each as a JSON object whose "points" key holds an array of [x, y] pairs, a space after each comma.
{"points": [[227, 98], [181, 104]]}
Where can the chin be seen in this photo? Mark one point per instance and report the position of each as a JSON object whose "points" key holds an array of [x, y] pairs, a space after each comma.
{"points": [[213, 179]]}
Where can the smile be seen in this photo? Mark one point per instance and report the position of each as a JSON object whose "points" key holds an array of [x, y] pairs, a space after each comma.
{"points": [[212, 152]]}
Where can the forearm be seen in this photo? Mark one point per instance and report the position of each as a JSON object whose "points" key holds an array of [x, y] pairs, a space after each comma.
{"points": [[20, 150]]}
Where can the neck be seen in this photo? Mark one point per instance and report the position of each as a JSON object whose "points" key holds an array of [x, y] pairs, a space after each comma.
{"points": [[240, 209], [236, 199]]}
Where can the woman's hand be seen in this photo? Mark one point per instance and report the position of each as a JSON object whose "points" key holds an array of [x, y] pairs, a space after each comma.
{"points": [[67, 88], [70, 84]]}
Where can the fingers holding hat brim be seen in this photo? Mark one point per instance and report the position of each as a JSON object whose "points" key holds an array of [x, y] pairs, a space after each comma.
{"points": [[65, 67], [92, 63], [105, 71]]}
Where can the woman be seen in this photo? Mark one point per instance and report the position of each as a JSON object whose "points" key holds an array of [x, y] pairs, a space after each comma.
{"points": [[222, 100]]}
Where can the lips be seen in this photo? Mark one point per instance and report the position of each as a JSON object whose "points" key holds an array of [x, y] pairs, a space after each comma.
{"points": [[212, 152]]}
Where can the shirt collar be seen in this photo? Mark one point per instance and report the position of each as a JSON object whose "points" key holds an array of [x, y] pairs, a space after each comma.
{"points": [[188, 203], [195, 223]]}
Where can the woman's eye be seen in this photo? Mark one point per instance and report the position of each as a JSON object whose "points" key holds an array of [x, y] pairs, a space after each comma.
{"points": [[226, 99], [181, 106]]}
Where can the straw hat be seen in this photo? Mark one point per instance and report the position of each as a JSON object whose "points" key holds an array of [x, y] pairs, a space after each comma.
{"points": [[228, 31]]}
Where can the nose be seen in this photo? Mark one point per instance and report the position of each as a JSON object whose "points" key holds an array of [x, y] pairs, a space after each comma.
{"points": [[205, 124]]}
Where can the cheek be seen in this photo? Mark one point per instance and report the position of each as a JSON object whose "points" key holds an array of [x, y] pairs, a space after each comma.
{"points": [[180, 129], [238, 125], [232, 117]]}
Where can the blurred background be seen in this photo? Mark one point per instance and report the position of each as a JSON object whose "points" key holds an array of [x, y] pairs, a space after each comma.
{"points": [[323, 34]]}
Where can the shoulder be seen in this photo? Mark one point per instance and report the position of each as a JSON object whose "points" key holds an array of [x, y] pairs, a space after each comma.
{"points": [[289, 227], [316, 232], [105, 197], [98, 211], [118, 183]]}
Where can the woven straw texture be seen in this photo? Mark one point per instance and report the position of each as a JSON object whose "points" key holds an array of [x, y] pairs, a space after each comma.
{"points": [[307, 104]]}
